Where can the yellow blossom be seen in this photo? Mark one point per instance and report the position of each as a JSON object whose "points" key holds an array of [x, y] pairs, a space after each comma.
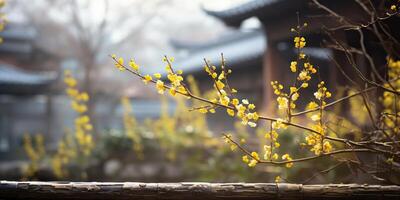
{"points": [[300, 42], [133, 65], [230, 112], [172, 91], [233, 147], [245, 159], [293, 66], [315, 117], [277, 144], [203, 110], [327, 147], [295, 96], [288, 158], [147, 78], [235, 102], [312, 105], [220, 85], [303, 76], [160, 86], [282, 102], [251, 106], [252, 124], [277, 179], [221, 76], [119, 64], [252, 163], [157, 75], [224, 101]]}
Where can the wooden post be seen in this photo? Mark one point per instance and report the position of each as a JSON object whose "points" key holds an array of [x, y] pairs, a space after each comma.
{"points": [[272, 63], [135, 190]]}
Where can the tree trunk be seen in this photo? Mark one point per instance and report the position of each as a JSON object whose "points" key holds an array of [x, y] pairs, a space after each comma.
{"points": [[135, 190]]}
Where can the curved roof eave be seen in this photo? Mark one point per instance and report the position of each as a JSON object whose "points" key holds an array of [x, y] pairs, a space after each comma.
{"points": [[234, 16]]}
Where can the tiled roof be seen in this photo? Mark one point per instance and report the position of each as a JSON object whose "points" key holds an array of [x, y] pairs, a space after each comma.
{"points": [[238, 49], [19, 82], [234, 16]]}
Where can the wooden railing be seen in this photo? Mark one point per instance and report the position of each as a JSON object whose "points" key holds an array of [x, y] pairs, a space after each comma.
{"points": [[196, 190]]}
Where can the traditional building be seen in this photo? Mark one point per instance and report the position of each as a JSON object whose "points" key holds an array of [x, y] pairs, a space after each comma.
{"points": [[270, 55], [27, 79]]}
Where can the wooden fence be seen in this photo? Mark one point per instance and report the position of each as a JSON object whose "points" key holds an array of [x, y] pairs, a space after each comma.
{"points": [[196, 190]]}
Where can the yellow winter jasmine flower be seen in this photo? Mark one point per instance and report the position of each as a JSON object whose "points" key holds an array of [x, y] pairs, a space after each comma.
{"points": [[328, 94], [251, 106], [300, 42], [277, 179], [119, 64], [275, 156], [179, 72], [288, 158], [221, 76], [233, 147], [220, 85], [293, 90], [203, 110], [278, 124], [245, 101], [133, 65], [233, 90], [235, 101], [245, 159], [255, 155], [252, 163], [304, 85], [282, 102], [72, 92], [277, 144], [312, 105], [303, 75], [160, 86], [230, 112], [327, 147], [252, 124], [255, 116], [172, 91], [212, 110], [315, 117], [318, 95], [157, 75], [295, 96], [224, 101], [147, 78], [318, 128], [293, 66]]}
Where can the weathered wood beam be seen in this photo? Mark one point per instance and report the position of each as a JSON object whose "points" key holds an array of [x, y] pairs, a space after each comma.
{"points": [[135, 190]]}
